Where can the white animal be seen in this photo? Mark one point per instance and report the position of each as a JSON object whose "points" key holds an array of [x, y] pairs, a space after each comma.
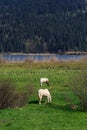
{"points": [[44, 80], [46, 93]]}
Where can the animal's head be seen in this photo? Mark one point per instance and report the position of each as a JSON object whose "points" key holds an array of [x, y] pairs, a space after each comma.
{"points": [[47, 83]]}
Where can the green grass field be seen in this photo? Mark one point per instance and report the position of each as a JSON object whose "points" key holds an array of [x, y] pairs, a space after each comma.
{"points": [[57, 115]]}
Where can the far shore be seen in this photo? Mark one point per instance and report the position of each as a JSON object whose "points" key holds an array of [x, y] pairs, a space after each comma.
{"points": [[59, 53]]}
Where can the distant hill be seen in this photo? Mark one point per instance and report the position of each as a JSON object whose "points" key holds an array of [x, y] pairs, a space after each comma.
{"points": [[41, 26]]}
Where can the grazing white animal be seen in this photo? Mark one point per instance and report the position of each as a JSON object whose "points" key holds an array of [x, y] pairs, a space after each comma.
{"points": [[44, 80], [46, 93]]}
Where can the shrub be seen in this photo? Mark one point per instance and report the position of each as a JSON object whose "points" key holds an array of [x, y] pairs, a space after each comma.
{"points": [[10, 97], [78, 84]]}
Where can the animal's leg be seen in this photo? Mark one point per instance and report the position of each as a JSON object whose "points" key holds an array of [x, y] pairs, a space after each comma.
{"points": [[41, 84], [40, 99], [48, 99], [39, 102]]}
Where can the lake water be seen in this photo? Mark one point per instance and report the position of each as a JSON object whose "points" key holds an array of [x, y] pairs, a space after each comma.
{"points": [[38, 57]]}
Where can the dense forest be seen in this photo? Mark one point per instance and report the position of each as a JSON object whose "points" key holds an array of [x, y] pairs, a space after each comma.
{"points": [[43, 26]]}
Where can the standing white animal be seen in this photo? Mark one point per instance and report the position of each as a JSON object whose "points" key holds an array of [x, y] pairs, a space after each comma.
{"points": [[46, 93], [44, 80]]}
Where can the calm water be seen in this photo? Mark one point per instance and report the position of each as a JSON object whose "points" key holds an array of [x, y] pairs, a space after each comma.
{"points": [[38, 57]]}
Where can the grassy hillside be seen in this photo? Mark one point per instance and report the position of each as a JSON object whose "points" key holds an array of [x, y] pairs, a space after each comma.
{"points": [[53, 116]]}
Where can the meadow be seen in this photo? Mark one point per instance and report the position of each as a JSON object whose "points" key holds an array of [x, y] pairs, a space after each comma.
{"points": [[57, 115]]}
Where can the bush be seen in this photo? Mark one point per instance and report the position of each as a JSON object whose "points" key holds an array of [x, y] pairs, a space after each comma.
{"points": [[78, 84], [10, 97]]}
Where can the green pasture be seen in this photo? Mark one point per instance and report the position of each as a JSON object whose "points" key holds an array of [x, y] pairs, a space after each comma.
{"points": [[57, 115]]}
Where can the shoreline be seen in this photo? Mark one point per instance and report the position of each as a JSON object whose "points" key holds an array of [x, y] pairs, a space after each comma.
{"points": [[60, 53]]}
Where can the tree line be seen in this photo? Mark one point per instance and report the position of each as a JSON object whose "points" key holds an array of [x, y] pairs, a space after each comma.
{"points": [[41, 26]]}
